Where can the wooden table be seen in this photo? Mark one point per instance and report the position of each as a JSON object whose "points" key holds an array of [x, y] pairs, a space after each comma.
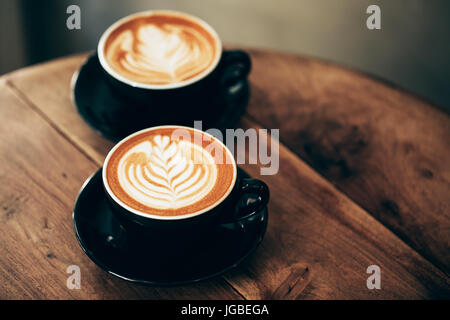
{"points": [[364, 180]]}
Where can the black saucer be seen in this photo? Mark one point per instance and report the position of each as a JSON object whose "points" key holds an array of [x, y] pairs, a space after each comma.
{"points": [[104, 110], [101, 238]]}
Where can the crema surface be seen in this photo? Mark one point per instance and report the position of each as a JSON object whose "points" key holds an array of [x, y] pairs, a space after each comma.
{"points": [[160, 49], [158, 173]]}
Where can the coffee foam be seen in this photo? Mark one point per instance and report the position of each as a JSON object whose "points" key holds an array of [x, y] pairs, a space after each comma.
{"points": [[157, 174], [160, 49]]}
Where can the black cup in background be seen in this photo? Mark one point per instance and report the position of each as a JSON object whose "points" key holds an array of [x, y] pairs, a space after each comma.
{"points": [[201, 100]]}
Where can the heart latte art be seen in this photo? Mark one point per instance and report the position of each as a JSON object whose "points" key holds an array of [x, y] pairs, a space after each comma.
{"points": [[160, 49], [159, 175]]}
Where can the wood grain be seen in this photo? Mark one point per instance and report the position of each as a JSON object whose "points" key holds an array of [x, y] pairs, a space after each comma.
{"points": [[56, 96], [40, 176], [385, 149], [319, 242]]}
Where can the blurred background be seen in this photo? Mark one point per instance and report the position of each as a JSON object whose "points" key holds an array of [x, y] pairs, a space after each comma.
{"points": [[411, 50]]}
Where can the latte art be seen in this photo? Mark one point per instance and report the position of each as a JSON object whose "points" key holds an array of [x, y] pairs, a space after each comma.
{"points": [[163, 175], [160, 49], [160, 173]]}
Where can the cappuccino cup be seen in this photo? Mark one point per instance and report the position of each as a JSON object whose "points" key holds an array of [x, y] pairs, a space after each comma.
{"points": [[169, 67], [168, 183]]}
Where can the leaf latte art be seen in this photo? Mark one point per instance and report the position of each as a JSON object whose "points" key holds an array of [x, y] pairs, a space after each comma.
{"points": [[160, 49], [162, 174], [157, 172]]}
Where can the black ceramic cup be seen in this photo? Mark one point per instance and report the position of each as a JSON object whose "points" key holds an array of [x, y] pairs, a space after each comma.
{"points": [[243, 206], [183, 102]]}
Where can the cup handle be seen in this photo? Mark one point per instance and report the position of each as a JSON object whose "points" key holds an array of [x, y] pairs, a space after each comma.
{"points": [[252, 197], [236, 65]]}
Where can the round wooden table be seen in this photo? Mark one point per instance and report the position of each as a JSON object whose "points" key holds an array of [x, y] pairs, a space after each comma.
{"points": [[364, 180]]}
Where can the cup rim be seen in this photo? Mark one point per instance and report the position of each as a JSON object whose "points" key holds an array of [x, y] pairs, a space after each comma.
{"points": [[159, 217], [136, 84]]}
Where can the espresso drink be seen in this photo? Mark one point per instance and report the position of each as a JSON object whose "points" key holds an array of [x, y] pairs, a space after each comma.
{"points": [[161, 48], [159, 172]]}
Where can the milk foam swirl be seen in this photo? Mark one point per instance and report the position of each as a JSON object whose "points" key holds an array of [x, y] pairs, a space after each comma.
{"points": [[162, 174], [160, 53]]}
